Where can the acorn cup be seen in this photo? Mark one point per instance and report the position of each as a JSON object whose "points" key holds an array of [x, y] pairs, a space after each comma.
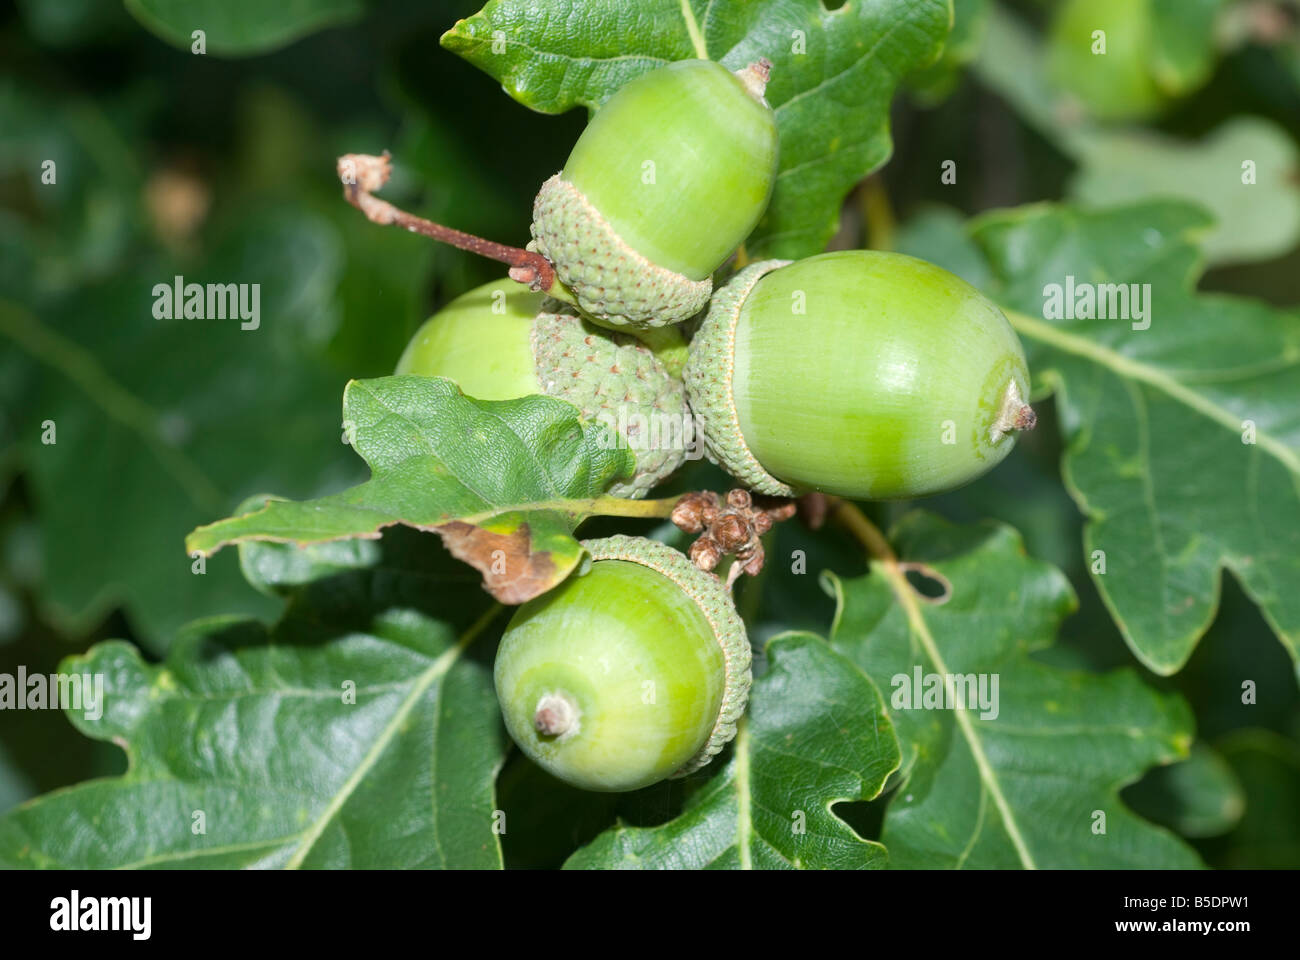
{"points": [[670, 176], [632, 672], [859, 373], [501, 341]]}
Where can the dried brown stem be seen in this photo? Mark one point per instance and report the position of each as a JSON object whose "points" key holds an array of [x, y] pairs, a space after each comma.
{"points": [[851, 518], [847, 514], [362, 175]]}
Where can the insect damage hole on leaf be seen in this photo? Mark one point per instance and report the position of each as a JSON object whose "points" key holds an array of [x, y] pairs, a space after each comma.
{"points": [[927, 583]]}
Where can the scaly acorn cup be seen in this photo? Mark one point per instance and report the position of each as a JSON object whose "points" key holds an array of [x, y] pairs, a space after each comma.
{"points": [[501, 341], [864, 374], [670, 177], [632, 672]]}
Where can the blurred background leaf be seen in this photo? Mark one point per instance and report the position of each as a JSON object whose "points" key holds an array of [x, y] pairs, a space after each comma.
{"points": [[1267, 835], [1253, 221], [1199, 797], [1121, 163], [235, 27]]}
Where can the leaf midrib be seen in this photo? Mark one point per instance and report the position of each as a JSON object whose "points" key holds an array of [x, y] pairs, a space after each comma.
{"points": [[693, 31], [1128, 368], [906, 597], [436, 670], [576, 510]]}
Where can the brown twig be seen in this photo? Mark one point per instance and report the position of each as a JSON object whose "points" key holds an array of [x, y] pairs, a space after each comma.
{"points": [[852, 519], [846, 514], [362, 175]]}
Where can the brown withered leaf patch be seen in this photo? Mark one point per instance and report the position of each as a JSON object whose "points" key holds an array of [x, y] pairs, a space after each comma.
{"points": [[514, 575]]}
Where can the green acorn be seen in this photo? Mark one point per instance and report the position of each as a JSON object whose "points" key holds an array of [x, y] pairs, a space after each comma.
{"points": [[670, 177], [501, 341], [634, 671], [864, 374], [1126, 81]]}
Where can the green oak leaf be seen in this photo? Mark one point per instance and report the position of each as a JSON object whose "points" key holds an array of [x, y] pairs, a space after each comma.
{"points": [[815, 734], [930, 85], [241, 27], [1018, 779], [834, 74], [1183, 439], [498, 480], [1253, 220], [359, 731], [278, 569]]}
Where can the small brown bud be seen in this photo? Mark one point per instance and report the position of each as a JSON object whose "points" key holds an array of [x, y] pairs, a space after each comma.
{"points": [[689, 514], [731, 532], [705, 553], [730, 525], [753, 564]]}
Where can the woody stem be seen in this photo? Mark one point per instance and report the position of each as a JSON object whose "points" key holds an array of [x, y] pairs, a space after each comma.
{"points": [[362, 174]]}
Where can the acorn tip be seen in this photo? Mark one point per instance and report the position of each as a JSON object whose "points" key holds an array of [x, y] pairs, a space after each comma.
{"points": [[555, 715], [755, 78]]}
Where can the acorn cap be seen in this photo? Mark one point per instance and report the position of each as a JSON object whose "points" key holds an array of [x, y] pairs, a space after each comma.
{"points": [[716, 604], [616, 379], [708, 378], [612, 283]]}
